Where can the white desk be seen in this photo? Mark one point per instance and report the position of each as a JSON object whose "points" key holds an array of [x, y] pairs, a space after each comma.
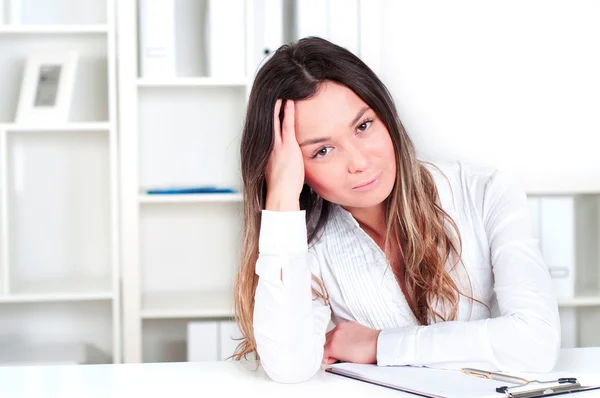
{"points": [[207, 379]]}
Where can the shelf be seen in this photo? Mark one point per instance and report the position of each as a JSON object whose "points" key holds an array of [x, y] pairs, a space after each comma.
{"points": [[187, 305], [191, 82], [582, 301], [67, 127], [561, 184], [67, 289], [192, 198], [53, 29], [55, 297]]}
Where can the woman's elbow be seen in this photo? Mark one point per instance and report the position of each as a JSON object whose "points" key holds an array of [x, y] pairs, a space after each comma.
{"points": [[292, 361], [546, 351], [289, 369], [545, 343], [538, 351]]}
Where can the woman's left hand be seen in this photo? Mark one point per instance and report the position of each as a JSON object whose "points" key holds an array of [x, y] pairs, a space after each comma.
{"points": [[351, 342]]}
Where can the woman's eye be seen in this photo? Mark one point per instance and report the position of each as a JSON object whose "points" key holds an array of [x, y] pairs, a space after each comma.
{"points": [[321, 152], [364, 125]]}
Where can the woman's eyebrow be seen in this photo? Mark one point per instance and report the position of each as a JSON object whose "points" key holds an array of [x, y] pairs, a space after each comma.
{"points": [[315, 141], [358, 116]]}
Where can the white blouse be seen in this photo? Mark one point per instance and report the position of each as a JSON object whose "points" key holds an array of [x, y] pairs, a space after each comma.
{"points": [[518, 329]]}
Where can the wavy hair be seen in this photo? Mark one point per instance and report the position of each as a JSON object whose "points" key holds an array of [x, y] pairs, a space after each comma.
{"points": [[418, 228]]}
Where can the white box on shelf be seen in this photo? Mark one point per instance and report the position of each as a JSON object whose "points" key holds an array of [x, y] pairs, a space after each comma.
{"points": [[228, 339], [225, 38], [558, 242], [157, 38], [202, 341]]}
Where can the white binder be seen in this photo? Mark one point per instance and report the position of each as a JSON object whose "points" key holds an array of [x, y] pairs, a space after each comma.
{"points": [[157, 38], [268, 32], [202, 341], [558, 242], [225, 38]]}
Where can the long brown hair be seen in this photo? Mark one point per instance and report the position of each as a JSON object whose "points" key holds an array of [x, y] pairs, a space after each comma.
{"points": [[417, 226]]}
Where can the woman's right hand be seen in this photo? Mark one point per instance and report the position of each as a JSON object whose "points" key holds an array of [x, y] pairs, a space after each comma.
{"points": [[285, 170]]}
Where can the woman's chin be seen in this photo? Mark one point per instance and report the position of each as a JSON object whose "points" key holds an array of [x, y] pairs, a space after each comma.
{"points": [[372, 199]]}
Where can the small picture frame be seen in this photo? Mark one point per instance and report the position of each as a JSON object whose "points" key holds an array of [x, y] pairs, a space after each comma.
{"points": [[47, 88]]}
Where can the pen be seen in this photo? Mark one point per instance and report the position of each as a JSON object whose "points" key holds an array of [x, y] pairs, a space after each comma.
{"points": [[494, 376]]}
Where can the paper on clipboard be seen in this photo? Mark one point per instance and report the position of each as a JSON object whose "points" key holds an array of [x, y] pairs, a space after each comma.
{"points": [[427, 382]]}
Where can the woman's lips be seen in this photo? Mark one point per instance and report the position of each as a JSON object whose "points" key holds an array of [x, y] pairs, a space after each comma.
{"points": [[368, 184]]}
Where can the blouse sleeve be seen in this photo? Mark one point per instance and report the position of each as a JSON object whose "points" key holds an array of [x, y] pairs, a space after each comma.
{"points": [[289, 323], [526, 335]]}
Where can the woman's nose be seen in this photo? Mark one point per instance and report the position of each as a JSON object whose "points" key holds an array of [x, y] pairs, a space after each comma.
{"points": [[357, 160]]}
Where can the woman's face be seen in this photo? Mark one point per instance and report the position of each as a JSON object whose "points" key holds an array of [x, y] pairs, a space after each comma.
{"points": [[348, 153]]}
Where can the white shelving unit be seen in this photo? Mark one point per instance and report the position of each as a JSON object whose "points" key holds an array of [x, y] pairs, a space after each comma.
{"points": [[182, 250], [59, 242]]}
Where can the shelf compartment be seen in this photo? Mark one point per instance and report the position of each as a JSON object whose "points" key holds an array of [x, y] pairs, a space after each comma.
{"points": [[48, 326], [173, 305], [192, 40], [192, 198], [90, 92], [192, 248], [191, 137], [58, 217]]}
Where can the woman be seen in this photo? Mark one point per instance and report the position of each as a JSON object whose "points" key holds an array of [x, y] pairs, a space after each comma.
{"points": [[415, 263]]}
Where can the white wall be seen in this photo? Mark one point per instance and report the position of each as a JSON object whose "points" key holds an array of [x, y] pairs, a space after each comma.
{"points": [[511, 83]]}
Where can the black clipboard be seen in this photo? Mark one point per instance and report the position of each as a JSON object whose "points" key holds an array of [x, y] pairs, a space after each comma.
{"points": [[536, 391]]}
